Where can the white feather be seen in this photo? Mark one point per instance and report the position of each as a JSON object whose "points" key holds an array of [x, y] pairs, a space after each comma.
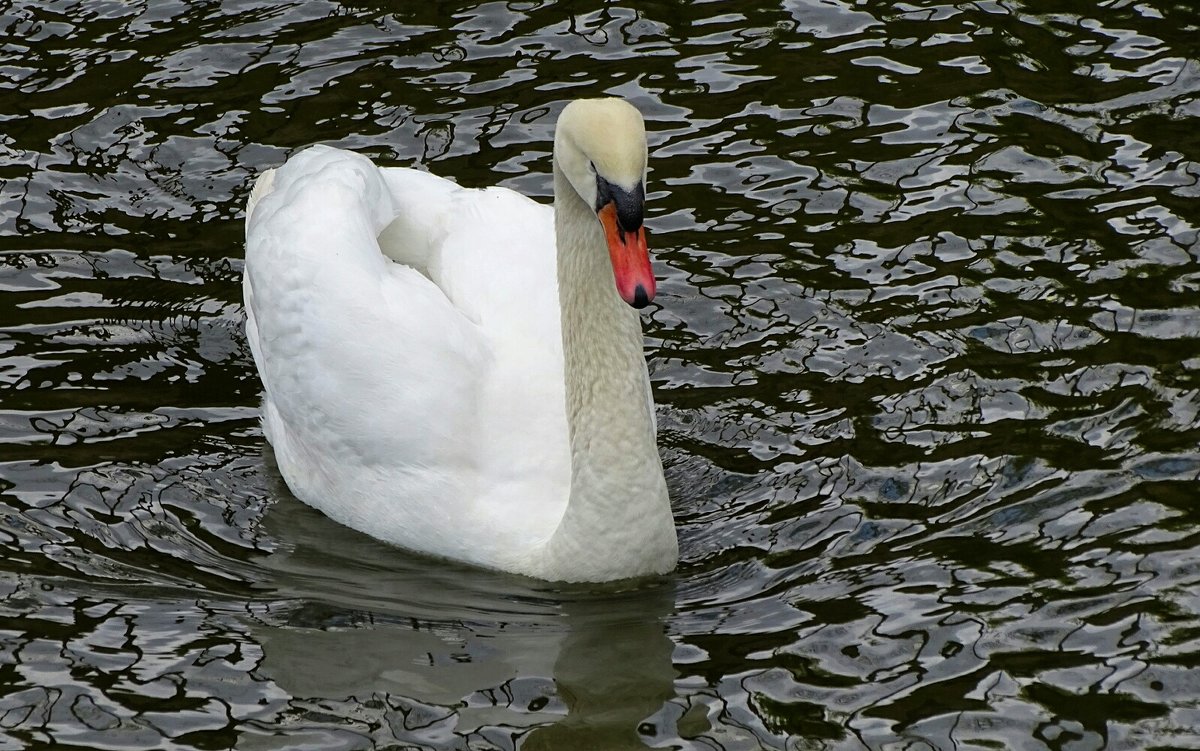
{"points": [[408, 335]]}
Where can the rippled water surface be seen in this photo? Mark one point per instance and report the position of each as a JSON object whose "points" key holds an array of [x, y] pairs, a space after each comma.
{"points": [[925, 353]]}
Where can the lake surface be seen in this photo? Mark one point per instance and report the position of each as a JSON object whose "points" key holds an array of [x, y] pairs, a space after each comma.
{"points": [[926, 354]]}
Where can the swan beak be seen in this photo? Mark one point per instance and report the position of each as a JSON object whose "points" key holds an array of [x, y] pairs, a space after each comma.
{"points": [[630, 258]]}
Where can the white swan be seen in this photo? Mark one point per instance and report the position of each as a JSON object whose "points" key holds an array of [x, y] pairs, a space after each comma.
{"points": [[454, 371]]}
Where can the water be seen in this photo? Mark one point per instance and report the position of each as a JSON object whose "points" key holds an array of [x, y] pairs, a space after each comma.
{"points": [[925, 354]]}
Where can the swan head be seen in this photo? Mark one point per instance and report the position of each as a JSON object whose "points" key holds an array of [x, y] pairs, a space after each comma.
{"points": [[600, 146]]}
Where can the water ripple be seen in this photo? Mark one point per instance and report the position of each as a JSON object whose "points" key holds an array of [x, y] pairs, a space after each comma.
{"points": [[925, 361]]}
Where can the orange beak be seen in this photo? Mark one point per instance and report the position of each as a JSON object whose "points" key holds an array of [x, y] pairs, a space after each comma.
{"points": [[630, 259]]}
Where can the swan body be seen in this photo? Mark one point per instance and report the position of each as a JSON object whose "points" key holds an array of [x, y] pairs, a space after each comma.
{"points": [[460, 371]]}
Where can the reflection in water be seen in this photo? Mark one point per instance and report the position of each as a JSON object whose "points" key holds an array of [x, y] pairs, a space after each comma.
{"points": [[926, 362], [587, 679], [474, 654], [613, 671]]}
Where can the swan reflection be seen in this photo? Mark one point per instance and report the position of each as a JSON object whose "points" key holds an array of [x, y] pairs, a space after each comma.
{"points": [[441, 652]]}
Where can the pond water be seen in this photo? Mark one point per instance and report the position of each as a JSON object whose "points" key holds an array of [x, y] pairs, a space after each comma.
{"points": [[926, 354]]}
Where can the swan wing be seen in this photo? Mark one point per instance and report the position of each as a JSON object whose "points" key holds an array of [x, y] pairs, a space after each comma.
{"points": [[492, 253], [372, 376], [410, 393]]}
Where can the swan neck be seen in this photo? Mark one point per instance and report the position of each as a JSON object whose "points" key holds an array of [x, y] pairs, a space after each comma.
{"points": [[618, 520]]}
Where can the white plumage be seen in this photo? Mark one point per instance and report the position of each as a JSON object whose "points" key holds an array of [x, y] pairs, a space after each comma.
{"points": [[409, 335]]}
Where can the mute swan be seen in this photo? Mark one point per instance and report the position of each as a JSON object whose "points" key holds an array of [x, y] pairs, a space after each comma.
{"points": [[460, 372]]}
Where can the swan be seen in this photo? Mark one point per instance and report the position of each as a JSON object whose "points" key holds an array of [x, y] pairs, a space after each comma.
{"points": [[460, 372]]}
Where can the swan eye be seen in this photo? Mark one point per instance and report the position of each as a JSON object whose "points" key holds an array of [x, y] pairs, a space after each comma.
{"points": [[604, 193]]}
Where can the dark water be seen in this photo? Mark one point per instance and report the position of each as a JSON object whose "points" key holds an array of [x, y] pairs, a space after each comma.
{"points": [[927, 367]]}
